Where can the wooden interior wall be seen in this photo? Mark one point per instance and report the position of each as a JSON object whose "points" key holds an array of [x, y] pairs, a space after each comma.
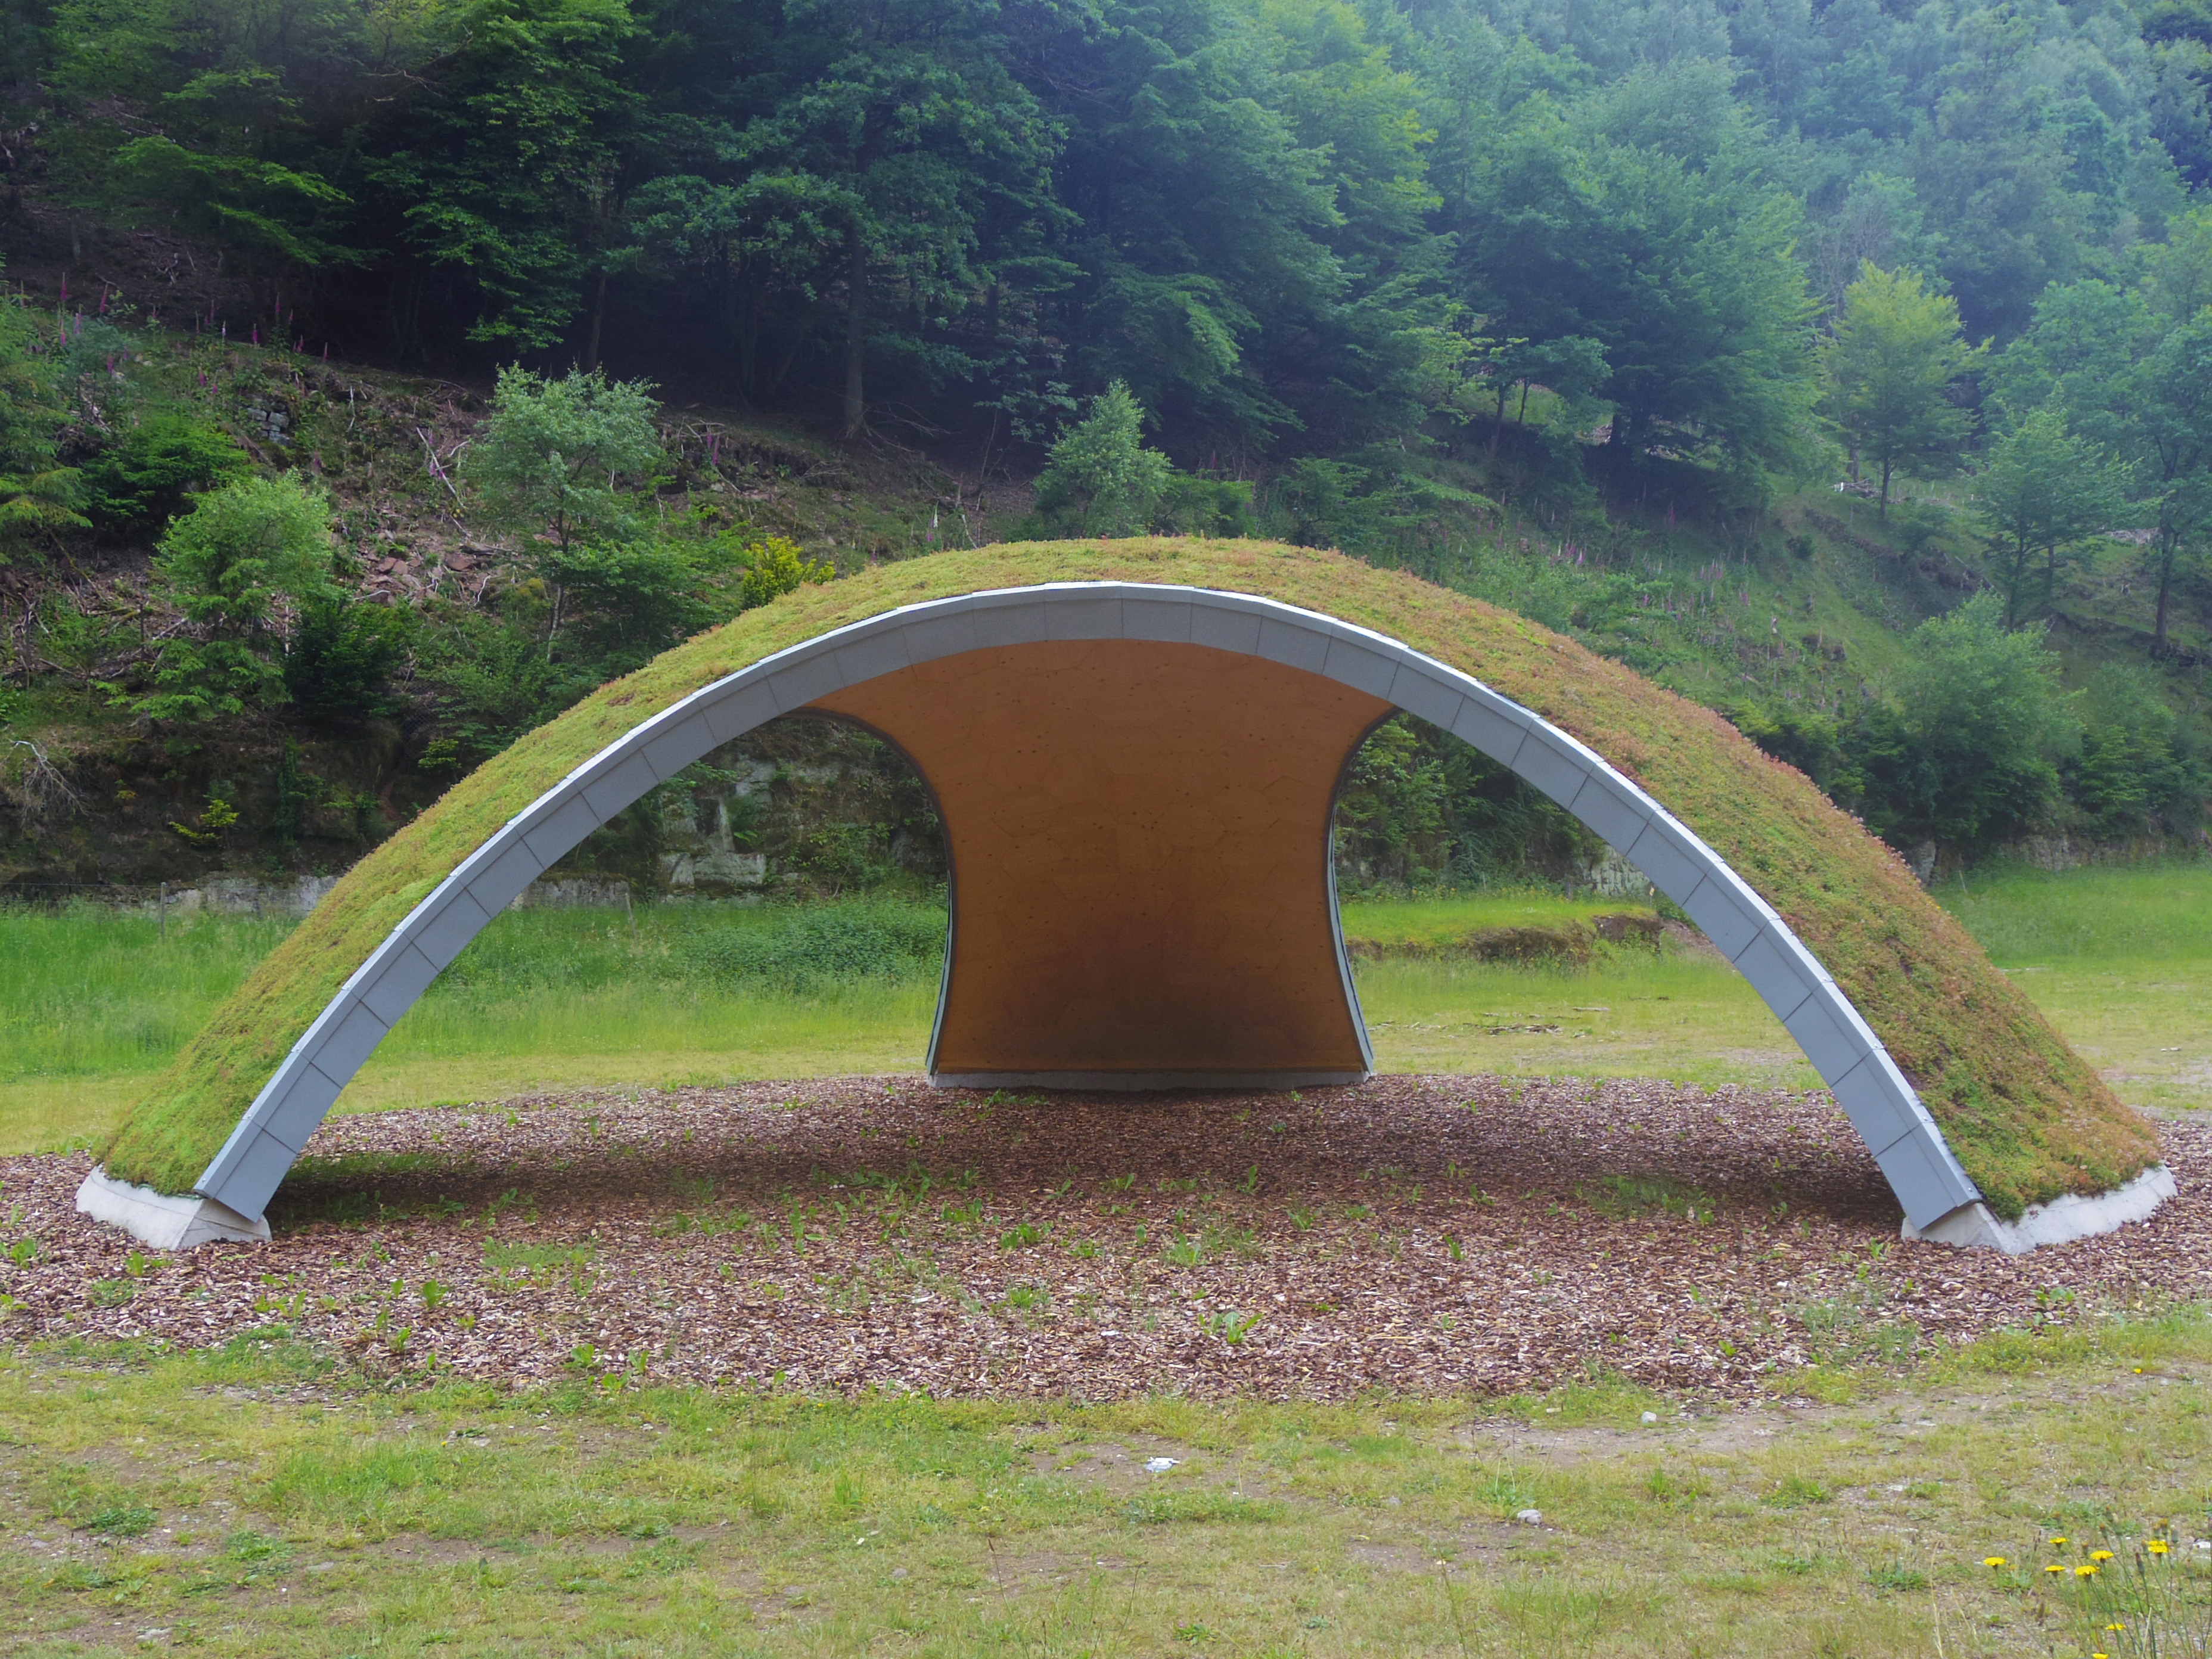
{"points": [[1140, 843]]}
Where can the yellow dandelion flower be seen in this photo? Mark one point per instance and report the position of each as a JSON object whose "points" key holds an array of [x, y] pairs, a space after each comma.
{"points": [[2054, 1567], [1995, 1561], [2085, 1572], [2056, 1542], [2157, 1546], [2100, 1555], [2115, 1627]]}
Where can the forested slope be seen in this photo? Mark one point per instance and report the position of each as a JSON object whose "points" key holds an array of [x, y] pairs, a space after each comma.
{"points": [[1585, 310]]}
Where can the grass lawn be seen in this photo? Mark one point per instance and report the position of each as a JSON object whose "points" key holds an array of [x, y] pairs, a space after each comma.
{"points": [[259, 1497], [2119, 958], [265, 1495]]}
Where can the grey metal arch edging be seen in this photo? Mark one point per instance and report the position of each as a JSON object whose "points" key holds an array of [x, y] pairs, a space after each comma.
{"points": [[1882, 1104]]}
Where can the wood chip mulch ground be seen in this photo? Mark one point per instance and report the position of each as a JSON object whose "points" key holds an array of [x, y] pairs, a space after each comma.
{"points": [[1421, 1235]]}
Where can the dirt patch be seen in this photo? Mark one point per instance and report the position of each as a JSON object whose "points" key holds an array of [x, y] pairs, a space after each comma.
{"points": [[1432, 1236], [1568, 943]]}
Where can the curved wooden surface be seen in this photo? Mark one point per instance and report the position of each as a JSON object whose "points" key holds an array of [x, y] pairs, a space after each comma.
{"points": [[1139, 841]]}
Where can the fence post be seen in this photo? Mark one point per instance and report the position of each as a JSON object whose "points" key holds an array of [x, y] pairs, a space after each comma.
{"points": [[163, 912]]}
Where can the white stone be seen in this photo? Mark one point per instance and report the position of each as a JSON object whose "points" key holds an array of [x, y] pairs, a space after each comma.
{"points": [[1532, 1518], [163, 1220]]}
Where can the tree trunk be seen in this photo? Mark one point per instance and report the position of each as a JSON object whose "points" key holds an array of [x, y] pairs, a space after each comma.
{"points": [[1885, 492], [856, 332], [598, 315], [2158, 642]]}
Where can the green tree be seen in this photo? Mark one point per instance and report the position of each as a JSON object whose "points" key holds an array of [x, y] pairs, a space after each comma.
{"points": [[2137, 770], [231, 565], [2042, 495], [148, 476], [1890, 366], [1617, 224], [38, 495], [1100, 479], [1966, 752], [501, 166], [339, 661], [551, 457], [2171, 418]]}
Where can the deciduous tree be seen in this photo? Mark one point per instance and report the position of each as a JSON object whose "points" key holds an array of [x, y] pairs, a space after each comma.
{"points": [[1892, 367]]}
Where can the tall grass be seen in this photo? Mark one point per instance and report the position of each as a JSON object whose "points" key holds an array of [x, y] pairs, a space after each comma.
{"points": [[95, 1002], [748, 981], [86, 990], [2154, 911]]}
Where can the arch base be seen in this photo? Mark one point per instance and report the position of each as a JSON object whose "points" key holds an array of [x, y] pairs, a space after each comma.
{"points": [[165, 1222], [1133, 1082], [2055, 1222]]}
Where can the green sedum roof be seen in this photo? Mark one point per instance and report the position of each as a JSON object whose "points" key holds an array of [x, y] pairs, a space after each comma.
{"points": [[2026, 1116]]}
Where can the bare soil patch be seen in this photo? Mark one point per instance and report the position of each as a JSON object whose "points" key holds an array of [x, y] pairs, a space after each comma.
{"points": [[1433, 1236]]}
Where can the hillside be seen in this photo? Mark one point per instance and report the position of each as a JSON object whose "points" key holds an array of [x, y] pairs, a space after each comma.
{"points": [[1797, 610]]}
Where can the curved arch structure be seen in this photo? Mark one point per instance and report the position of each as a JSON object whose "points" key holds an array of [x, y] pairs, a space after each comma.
{"points": [[1136, 781]]}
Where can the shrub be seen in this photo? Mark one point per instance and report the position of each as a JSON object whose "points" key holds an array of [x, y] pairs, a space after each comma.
{"points": [[1967, 754], [623, 603], [340, 662], [227, 564], [815, 948], [150, 476], [776, 567], [1100, 479], [2137, 770]]}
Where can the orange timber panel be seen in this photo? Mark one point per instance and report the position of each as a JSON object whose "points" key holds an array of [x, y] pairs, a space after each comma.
{"points": [[1138, 835]]}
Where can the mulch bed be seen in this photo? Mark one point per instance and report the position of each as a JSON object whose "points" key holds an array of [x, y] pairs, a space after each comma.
{"points": [[1415, 1234]]}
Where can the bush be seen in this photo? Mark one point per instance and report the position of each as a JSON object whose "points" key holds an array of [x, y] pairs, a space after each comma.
{"points": [[776, 568], [1967, 754], [815, 948], [342, 656], [623, 603], [1100, 479], [227, 564], [37, 496], [148, 477], [1812, 743], [2137, 772], [495, 681], [1197, 506]]}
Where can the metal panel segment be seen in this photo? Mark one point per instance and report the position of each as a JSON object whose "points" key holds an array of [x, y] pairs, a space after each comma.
{"points": [[1880, 1101], [447, 929], [563, 827], [1081, 616], [1421, 694], [676, 742]]}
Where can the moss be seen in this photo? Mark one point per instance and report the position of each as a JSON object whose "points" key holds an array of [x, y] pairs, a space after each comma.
{"points": [[2027, 1117]]}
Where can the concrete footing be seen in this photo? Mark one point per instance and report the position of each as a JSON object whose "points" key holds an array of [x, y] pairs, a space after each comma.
{"points": [[2071, 1217], [163, 1220]]}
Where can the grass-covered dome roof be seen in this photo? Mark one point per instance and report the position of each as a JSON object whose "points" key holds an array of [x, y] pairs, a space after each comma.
{"points": [[2026, 1116]]}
